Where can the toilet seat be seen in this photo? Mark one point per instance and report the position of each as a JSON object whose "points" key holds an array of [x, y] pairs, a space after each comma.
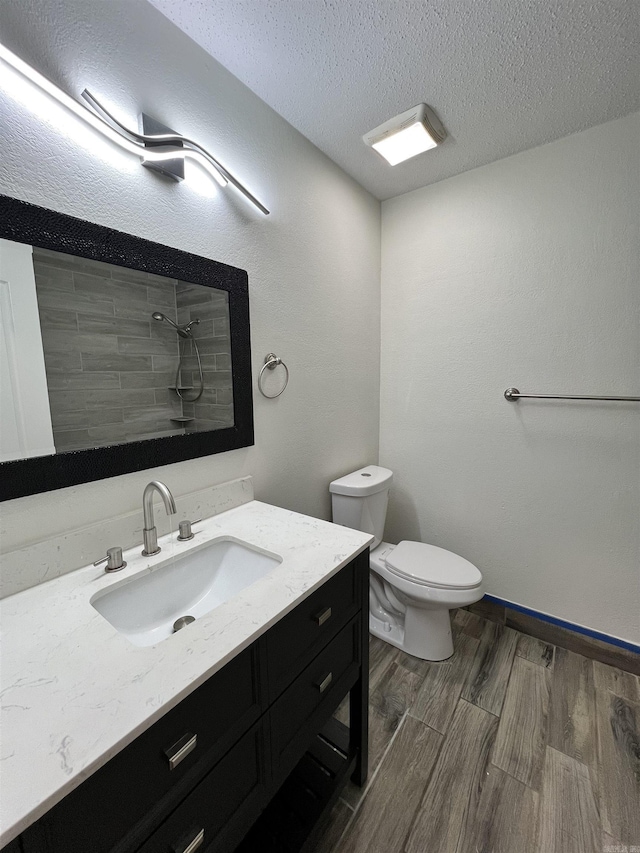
{"points": [[429, 565]]}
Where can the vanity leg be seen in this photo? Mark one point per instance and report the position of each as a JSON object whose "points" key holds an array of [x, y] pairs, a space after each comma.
{"points": [[359, 694]]}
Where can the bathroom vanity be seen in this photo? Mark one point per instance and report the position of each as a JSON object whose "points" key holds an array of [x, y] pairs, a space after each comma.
{"points": [[236, 729]]}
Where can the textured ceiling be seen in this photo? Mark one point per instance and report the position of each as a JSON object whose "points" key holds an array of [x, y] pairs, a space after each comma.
{"points": [[504, 75]]}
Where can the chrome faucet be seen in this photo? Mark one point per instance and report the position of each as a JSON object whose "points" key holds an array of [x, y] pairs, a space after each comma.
{"points": [[150, 533]]}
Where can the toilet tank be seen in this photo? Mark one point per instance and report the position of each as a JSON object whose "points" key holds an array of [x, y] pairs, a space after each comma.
{"points": [[359, 500]]}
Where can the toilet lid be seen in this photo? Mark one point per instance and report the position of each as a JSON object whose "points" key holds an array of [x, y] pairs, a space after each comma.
{"points": [[427, 564]]}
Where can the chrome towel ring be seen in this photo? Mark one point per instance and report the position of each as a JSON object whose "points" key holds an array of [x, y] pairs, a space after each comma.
{"points": [[271, 361]]}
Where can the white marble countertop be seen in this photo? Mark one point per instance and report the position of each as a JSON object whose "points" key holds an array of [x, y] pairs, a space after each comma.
{"points": [[75, 692]]}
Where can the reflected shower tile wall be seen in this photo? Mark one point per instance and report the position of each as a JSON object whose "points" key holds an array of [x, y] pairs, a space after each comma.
{"points": [[108, 363], [214, 409]]}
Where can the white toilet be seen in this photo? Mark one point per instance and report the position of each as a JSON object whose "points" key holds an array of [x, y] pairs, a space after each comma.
{"points": [[412, 586]]}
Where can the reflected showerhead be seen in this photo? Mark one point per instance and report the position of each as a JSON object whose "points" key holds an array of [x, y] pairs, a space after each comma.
{"points": [[183, 331]]}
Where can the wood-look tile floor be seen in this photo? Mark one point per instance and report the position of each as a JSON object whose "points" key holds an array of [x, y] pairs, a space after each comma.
{"points": [[511, 746]]}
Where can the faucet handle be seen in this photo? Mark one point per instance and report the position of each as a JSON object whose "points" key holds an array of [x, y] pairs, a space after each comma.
{"points": [[184, 530], [113, 560]]}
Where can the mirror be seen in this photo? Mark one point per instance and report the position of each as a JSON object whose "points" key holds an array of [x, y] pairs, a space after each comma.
{"points": [[116, 353]]}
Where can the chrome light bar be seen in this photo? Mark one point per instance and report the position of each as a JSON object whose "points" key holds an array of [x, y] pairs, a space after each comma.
{"points": [[154, 148]]}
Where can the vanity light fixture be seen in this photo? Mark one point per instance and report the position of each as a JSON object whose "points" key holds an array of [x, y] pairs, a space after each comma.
{"points": [[412, 132], [159, 147]]}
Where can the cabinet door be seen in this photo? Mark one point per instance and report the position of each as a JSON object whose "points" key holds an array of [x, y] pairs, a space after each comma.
{"points": [[221, 809], [294, 641], [308, 703], [118, 807]]}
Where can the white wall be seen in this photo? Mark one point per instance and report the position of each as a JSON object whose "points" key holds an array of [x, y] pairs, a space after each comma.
{"points": [[313, 264], [524, 272]]}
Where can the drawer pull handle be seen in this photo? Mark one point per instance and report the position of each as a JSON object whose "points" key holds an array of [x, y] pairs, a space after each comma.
{"points": [[193, 845], [179, 751], [326, 681], [323, 616]]}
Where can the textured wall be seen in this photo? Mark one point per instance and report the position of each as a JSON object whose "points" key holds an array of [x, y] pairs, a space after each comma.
{"points": [[313, 264], [524, 273]]}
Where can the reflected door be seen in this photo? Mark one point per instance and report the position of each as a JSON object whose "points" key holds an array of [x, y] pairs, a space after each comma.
{"points": [[25, 419]]}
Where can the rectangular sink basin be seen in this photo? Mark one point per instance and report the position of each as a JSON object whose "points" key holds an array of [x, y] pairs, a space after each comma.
{"points": [[146, 607]]}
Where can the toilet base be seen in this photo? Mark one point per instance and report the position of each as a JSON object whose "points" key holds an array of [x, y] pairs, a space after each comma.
{"points": [[425, 634], [392, 634]]}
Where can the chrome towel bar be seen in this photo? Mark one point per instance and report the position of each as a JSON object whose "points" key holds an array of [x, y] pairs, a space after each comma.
{"points": [[513, 395]]}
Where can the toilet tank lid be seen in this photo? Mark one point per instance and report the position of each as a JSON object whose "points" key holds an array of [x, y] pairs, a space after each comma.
{"points": [[363, 482]]}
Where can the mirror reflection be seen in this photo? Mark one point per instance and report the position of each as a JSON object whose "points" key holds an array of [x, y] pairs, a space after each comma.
{"points": [[95, 354]]}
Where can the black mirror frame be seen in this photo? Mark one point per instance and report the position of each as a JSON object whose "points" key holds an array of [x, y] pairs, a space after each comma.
{"points": [[27, 223]]}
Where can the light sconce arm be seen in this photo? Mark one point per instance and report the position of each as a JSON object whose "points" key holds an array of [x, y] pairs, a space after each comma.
{"points": [[154, 148]]}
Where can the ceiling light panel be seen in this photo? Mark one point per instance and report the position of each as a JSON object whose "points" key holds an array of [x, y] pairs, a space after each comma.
{"points": [[410, 133]]}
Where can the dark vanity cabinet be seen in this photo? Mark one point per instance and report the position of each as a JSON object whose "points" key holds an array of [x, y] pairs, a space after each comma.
{"points": [[229, 762]]}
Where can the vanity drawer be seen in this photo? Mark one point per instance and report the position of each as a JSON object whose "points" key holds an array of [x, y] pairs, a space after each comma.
{"points": [[306, 705], [297, 639], [219, 811], [157, 770]]}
